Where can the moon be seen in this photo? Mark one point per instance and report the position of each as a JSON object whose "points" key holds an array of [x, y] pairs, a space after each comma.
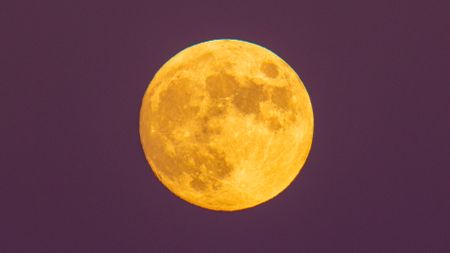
{"points": [[226, 124]]}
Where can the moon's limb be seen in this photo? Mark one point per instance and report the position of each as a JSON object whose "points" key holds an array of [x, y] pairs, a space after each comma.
{"points": [[226, 124]]}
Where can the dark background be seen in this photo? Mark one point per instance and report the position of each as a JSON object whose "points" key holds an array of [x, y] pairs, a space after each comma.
{"points": [[73, 177]]}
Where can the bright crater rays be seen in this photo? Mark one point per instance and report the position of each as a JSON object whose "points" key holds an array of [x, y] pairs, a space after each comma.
{"points": [[226, 125]]}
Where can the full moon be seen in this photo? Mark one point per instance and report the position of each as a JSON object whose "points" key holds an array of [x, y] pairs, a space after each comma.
{"points": [[226, 124]]}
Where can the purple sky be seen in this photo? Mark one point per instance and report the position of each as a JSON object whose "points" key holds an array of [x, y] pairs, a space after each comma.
{"points": [[73, 177]]}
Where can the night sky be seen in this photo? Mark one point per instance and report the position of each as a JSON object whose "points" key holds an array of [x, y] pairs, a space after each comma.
{"points": [[73, 176]]}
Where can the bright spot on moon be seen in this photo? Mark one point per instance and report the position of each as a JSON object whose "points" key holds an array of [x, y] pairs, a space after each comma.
{"points": [[226, 124]]}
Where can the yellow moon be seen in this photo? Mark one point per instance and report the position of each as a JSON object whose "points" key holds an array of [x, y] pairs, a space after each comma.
{"points": [[226, 124]]}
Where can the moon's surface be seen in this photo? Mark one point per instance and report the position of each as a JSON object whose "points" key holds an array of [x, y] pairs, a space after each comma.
{"points": [[226, 124]]}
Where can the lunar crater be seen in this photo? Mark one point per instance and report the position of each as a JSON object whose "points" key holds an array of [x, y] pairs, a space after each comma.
{"points": [[269, 69]]}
